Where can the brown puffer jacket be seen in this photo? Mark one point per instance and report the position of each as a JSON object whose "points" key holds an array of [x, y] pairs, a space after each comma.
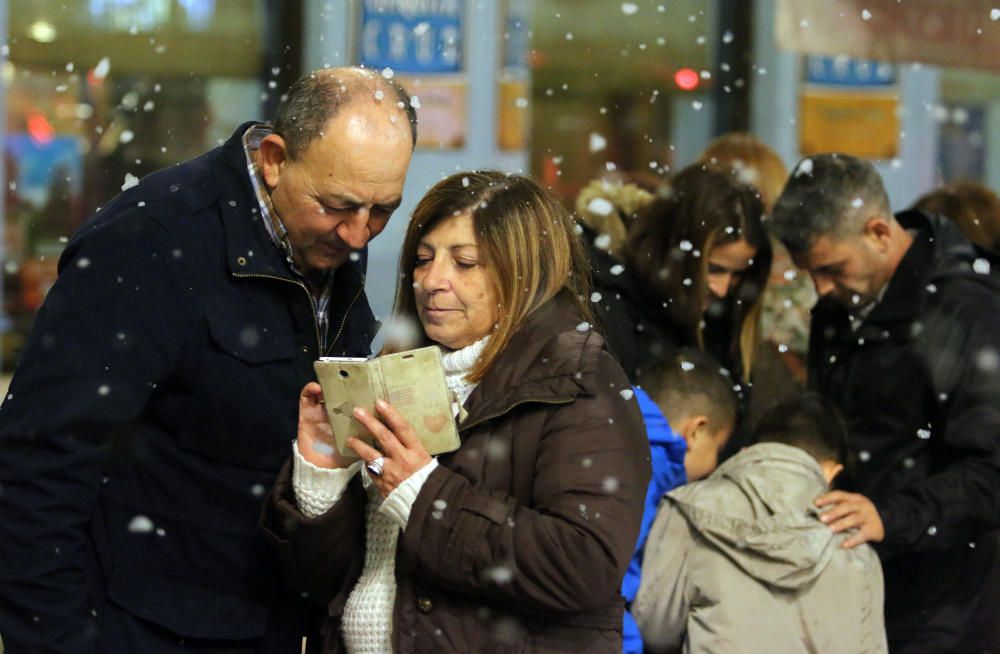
{"points": [[519, 540]]}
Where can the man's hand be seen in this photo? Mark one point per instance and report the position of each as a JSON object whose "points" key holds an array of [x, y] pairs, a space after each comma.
{"points": [[852, 511]]}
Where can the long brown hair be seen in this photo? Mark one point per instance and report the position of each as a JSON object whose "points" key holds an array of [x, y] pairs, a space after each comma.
{"points": [[527, 241], [668, 247]]}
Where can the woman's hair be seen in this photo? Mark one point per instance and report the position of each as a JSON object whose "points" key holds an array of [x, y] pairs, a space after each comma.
{"points": [[526, 239], [752, 161], [668, 247], [970, 205]]}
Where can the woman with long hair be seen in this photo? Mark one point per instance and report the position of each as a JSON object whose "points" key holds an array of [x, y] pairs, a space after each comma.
{"points": [[701, 258]]}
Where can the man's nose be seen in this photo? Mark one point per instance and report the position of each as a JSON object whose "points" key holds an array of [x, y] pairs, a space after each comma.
{"points": [[823, 285], [353, 230]]}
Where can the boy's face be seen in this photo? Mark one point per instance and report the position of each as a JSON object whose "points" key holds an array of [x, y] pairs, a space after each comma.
{"points": [[703, 447]]}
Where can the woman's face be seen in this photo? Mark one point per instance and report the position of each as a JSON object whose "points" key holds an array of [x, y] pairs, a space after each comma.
{"points": [[454, 291], [727, 262]]}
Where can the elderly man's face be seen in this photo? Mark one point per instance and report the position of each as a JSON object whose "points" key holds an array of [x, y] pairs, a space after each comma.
{"points": [[852, 270], [340, 191]]}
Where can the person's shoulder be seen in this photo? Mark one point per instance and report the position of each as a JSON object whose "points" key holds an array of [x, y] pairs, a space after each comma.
{"points": [[965, 301]]}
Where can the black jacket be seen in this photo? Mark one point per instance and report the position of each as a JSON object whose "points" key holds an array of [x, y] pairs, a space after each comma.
{"points": [[632, 339], [149, 415], [919, 383]]}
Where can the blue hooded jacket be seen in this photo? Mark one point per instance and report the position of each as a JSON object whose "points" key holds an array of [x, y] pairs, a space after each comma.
{"points": [[667, 451]]}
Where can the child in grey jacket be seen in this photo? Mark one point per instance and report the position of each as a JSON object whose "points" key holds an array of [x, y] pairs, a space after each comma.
{"points": [[741, 562]]}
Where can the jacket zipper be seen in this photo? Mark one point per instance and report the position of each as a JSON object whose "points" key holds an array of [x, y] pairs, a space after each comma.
{"points": [[312, 302], [347, 313], [526, 400]]}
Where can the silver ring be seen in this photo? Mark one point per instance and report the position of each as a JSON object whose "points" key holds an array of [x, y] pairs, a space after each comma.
{"points": [[375, 466]]}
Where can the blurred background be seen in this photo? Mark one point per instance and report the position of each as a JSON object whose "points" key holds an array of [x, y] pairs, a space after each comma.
{"points": [[98, 93]]}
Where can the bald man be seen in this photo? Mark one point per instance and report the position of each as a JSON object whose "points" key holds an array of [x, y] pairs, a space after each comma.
{"points": [[157, 396]]}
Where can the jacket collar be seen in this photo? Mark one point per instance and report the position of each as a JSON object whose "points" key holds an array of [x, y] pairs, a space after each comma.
{"points": [[904, 296], [551, 359]]}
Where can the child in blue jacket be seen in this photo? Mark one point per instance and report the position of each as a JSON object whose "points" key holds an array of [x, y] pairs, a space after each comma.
{"points": [[692, 392]]}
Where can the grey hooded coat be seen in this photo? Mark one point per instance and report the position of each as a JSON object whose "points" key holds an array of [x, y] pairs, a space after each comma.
{"points": [[740, 562]]}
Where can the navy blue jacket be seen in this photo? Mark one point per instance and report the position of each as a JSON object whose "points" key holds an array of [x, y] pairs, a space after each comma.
{"points": [[153, 407]]}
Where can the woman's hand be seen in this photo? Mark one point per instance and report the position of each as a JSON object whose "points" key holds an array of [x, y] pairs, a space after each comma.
{"points": [[403, 452], [316, 442]]}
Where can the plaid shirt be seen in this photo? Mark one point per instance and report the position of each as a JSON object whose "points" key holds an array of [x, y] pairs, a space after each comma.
{"points": [[279, 234]]}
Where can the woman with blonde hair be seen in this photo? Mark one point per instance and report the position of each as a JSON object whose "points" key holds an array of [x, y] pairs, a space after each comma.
{"points": [[518, 540], [789, 295]]}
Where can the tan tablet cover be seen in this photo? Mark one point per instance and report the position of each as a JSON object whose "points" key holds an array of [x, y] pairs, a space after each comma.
{"points": [[412, 382]]}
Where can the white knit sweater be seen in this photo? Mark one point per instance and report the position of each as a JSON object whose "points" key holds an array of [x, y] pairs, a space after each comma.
{"points": [[367, 622]]}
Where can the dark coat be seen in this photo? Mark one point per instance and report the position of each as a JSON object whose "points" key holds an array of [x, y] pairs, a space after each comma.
{"points": [[518, 541], [634, 340], [150, 413], [919, 384]]}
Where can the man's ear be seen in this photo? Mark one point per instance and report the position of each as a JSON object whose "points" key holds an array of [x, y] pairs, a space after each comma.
{"points": [[693, 428], [273, 155], [879, 231]]}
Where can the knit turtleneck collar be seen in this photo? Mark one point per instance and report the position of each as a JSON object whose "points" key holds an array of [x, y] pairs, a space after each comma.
{"points": [[457, 364]]}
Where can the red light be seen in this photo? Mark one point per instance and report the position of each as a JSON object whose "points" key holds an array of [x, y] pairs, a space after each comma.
{"points": [[40, 129], [686, 79]]}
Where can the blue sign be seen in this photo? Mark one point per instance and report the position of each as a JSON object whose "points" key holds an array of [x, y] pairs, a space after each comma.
{"points": [[412, 36], [844, 71]]}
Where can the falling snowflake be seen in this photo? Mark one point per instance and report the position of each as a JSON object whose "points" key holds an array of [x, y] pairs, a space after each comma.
{"points": [[140, 524], [629, 8], [687, 366], [857, 203], [923, 434], [805, 168], [500, 574], [626, 393], [387, 73], [988, 360], [932, 530], [981, 266], [864, 455], [994, 14], [597, 142], [866, 15], [102, 68], [600, 207], [610, 484], [617, 269], [130, 181], [596, 297], [583, 327]]}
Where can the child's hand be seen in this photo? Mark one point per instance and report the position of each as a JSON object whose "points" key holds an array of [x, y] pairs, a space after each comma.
{"points": [[852, 511]]}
